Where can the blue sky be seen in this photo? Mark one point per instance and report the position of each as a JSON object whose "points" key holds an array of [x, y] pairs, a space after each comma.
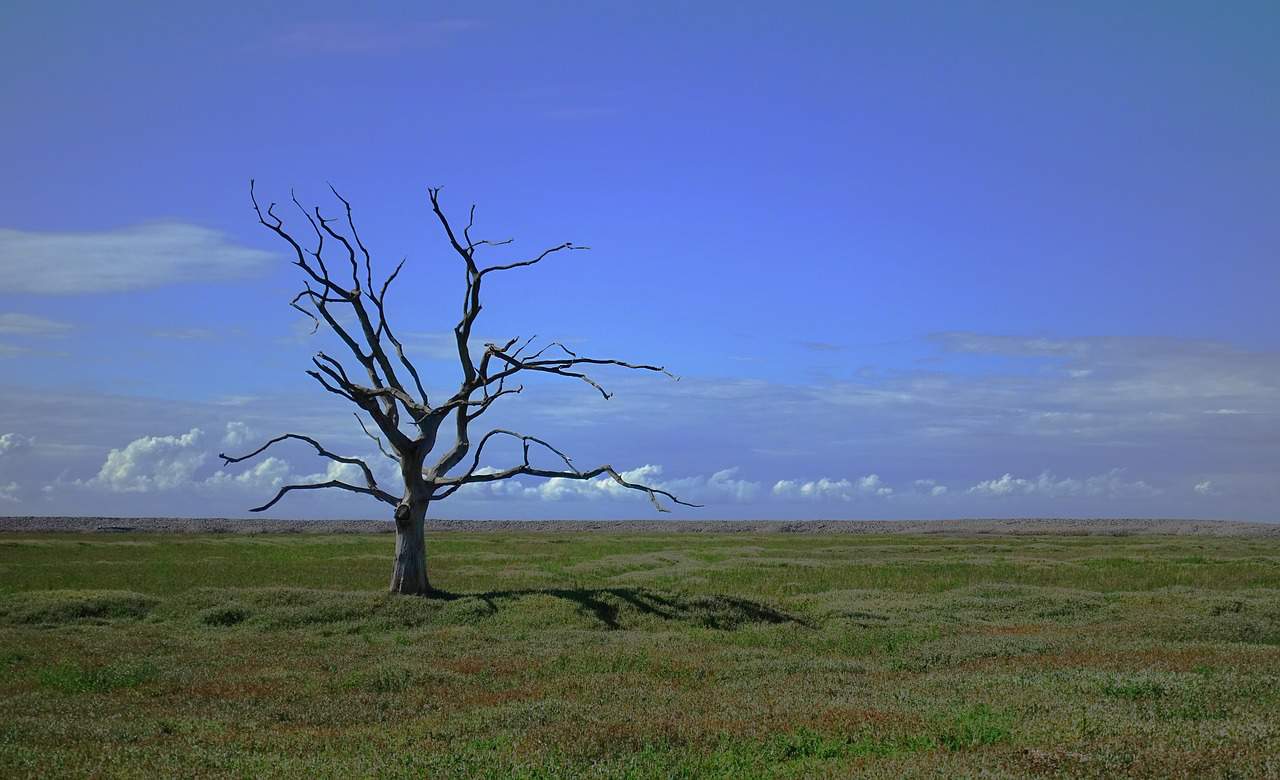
{"points": [[908, 259]]}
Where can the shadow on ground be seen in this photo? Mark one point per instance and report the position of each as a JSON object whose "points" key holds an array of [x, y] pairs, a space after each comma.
{"points": [[610, 606], [277, 608]]}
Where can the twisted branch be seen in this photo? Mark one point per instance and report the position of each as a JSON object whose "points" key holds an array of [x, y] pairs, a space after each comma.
{"points": [[453, 484], [382, 496], [227, 460]]}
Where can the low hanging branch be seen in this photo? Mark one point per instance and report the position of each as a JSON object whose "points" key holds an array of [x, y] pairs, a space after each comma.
{"points": [[370, 487], [472, 475], [402, 414]]}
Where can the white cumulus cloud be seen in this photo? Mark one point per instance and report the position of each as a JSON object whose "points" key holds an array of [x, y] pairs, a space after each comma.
{"points": [[824, 489], [1110, 484], [1207, 488], [15, 442], [560, 488], [343, 472], [237, 434], [152, 463], [930, 487], [721, 486], [269, 473]]}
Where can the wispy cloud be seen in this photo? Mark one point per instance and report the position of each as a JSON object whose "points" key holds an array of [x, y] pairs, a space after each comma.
{"points": [[821, 346], [360, 37], [27, 326], [15, 324], [1026, 346], [118, 260], [186, 334]]}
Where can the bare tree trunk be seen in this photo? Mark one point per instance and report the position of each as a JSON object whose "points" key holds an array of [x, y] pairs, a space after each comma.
{"points": [[410, 574]]}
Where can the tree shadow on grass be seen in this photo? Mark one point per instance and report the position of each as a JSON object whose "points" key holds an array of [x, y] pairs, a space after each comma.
{"points": [[610, 606]]}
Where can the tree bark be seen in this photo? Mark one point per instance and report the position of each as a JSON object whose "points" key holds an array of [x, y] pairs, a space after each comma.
{"points": [[409, 576]]}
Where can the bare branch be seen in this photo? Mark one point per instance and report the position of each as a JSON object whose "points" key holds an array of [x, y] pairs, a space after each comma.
{"points": [[385, 327], [486, 242], [294, 303], [520, 348], [364, 467], [351, 252], [321, 301], [377, 439], [318, 252], [483, 405], [540, 352], [561, 366], [368, 262], [375, 357], [532, 261], [336, 391], [300, 254], [453, 484], [525, 441], [381, 495], [334, 370], [466, 232], [434, 194], [470, 303]]}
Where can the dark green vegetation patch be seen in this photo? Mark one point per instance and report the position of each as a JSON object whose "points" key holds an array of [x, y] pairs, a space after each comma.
{"points": [[610, 656]]}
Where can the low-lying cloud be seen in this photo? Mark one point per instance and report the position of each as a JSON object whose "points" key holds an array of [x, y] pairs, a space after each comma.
{"points": [[1111, 484], [994, 426], [824, 489]]}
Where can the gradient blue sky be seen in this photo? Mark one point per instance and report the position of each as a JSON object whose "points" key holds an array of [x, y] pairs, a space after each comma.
{"points": [[909, 259]]}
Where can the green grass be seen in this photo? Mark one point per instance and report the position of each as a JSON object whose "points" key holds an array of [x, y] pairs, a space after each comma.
{"points": [[76, 679], [604, 655]]}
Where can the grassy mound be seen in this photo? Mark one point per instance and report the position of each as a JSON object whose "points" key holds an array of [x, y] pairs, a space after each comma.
{"points": [[62, 607]]}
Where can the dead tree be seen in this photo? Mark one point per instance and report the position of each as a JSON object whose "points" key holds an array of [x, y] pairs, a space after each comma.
{"points": [[432, 465]]}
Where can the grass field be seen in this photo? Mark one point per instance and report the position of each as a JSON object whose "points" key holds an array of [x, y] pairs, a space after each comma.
{"points": [[621, 655]]}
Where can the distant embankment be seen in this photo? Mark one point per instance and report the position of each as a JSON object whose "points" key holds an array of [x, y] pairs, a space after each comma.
{"points": [[1060, 526]]}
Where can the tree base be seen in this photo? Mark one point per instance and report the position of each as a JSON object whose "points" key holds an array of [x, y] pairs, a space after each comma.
{"points": [[409, 576]]}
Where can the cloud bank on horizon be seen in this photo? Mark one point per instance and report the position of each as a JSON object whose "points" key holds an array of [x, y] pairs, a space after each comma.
{"points": [[1094, 427], [906, 264]]}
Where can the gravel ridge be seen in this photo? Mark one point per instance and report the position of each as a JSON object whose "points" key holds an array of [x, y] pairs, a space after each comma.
{"points": [[959, 527]]}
